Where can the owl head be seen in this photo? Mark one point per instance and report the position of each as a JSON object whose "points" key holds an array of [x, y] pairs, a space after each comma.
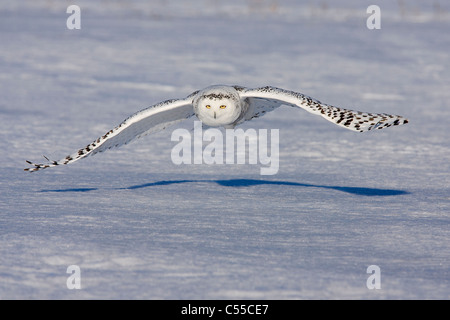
{"points": [[217, 106]]}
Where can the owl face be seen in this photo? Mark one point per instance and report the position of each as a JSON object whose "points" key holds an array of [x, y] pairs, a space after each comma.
{"points": [[216, 108]]}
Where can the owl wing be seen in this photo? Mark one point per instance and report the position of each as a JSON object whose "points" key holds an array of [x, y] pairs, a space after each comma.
{"points": [[266, 99], [149, 120]]}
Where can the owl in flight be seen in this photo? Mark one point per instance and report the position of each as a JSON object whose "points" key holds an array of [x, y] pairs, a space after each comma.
{"points": [[223, 106]]}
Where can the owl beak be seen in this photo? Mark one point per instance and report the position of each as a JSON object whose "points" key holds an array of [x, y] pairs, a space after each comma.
{"points": [[214, 114]]}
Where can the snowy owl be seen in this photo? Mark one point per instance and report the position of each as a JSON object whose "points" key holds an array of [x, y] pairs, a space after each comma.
{"points": [[223, 106]]}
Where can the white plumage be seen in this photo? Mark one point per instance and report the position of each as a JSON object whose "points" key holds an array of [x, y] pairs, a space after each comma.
{"points": [[223, 106]]}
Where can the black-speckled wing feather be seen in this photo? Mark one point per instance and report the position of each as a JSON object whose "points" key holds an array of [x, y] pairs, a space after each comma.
{"points": [[266, 99], [146, 121]]}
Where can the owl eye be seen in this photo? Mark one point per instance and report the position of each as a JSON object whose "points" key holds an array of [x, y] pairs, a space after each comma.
{"points": [[223, 106], [208, 106]]}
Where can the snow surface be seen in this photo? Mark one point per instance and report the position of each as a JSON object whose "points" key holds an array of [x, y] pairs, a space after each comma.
{"points": [[141, 227]]}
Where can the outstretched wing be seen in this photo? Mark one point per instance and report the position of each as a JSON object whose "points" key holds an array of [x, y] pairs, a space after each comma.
{"points": [[266, 99], [149, 120]]}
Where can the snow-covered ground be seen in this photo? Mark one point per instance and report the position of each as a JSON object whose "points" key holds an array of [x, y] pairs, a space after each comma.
{"points": [[139, 226]]}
